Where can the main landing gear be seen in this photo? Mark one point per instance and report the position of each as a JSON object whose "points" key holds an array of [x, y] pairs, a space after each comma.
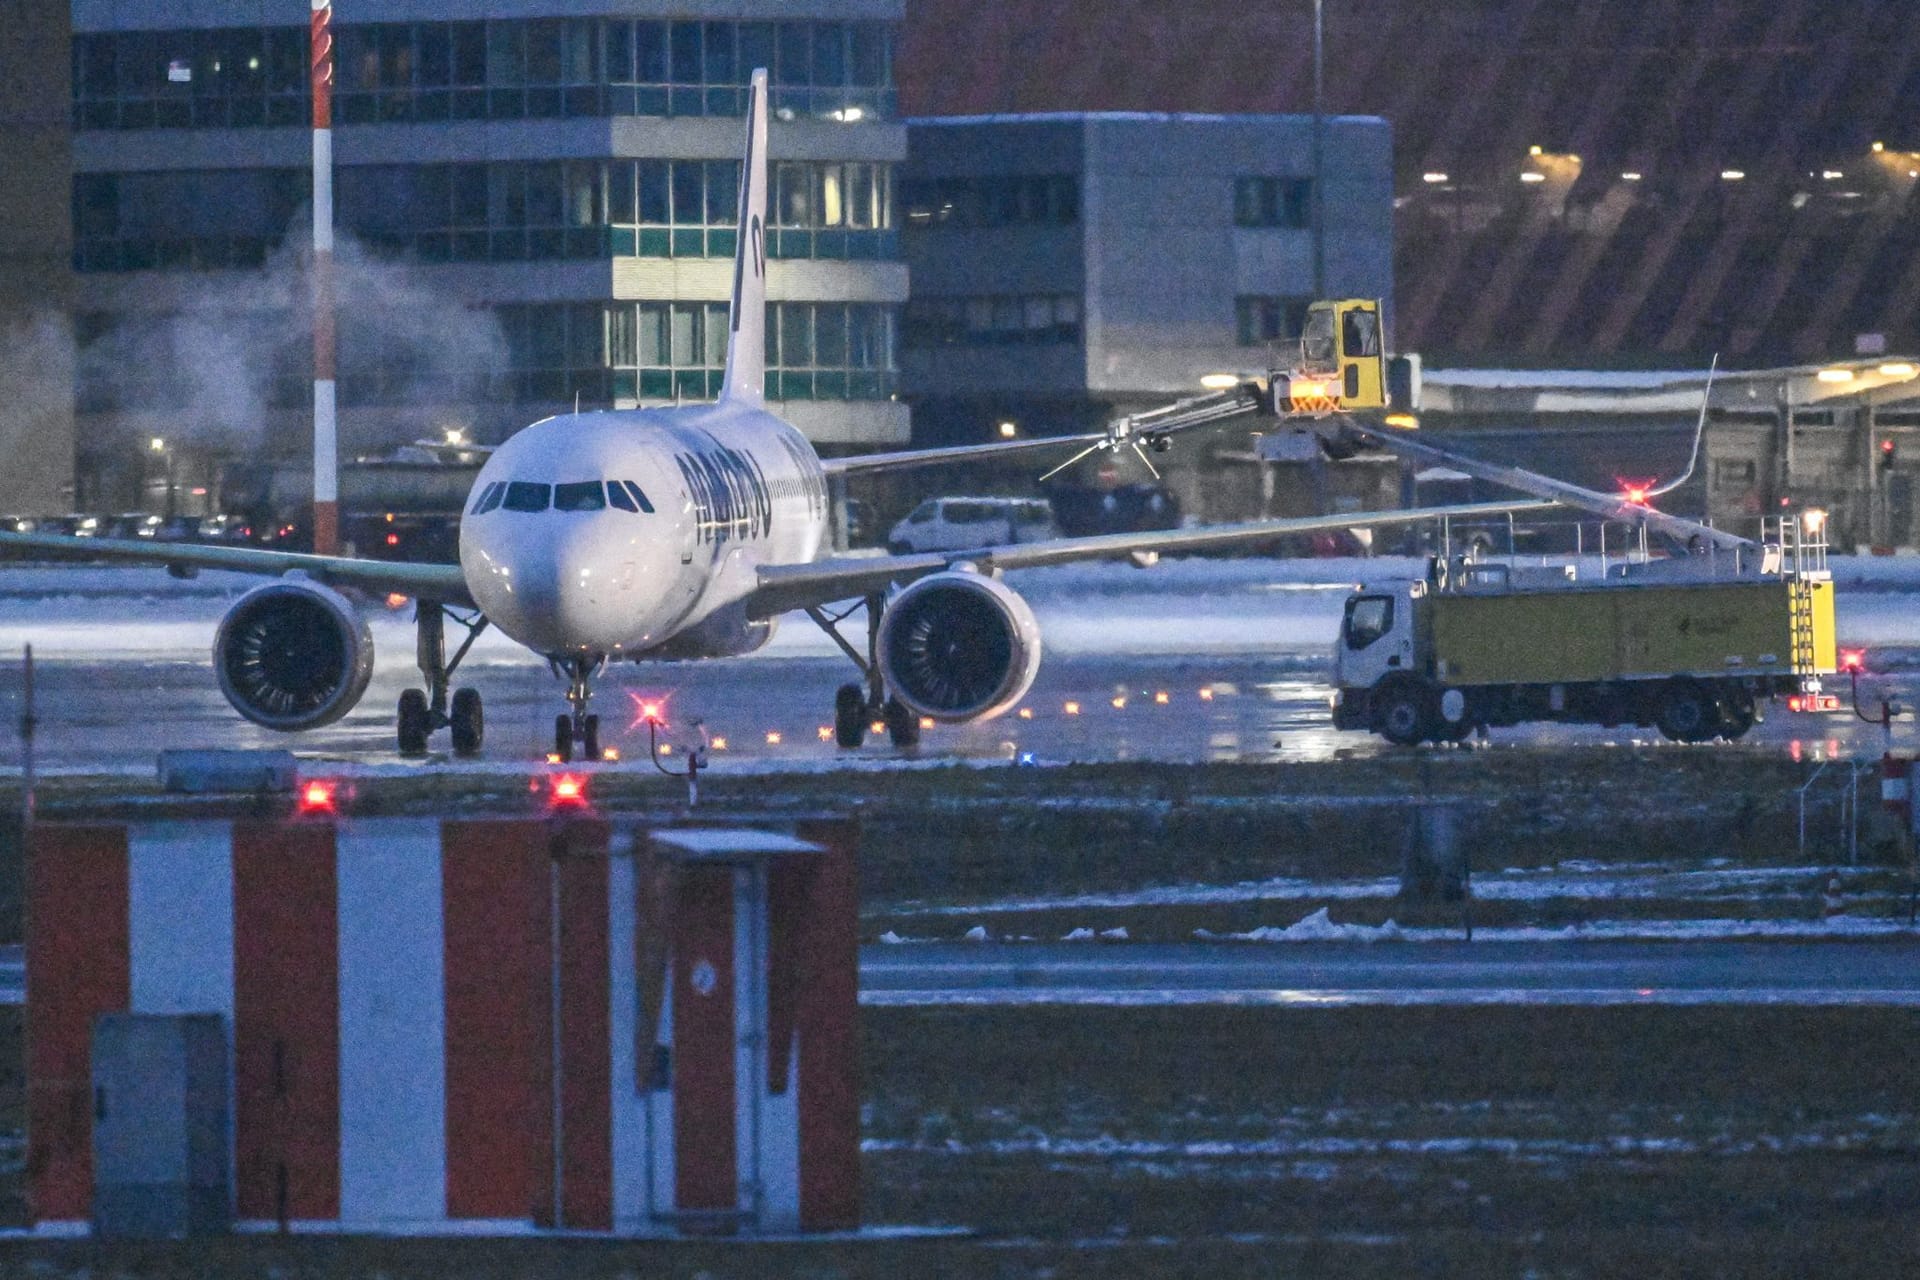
{"points": [[856, 709], [576, 731], [424, 710]]}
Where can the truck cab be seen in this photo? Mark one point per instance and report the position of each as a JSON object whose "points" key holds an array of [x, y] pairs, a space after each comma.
{"points": [[1343, 365]]}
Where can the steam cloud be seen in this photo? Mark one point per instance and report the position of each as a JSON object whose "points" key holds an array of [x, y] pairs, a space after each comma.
{"points": [[241, 346]]}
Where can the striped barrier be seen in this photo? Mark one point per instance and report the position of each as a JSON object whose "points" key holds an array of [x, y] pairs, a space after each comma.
{"points": [[489, 1025]]}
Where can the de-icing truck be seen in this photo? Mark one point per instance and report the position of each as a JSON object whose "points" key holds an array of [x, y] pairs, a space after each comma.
{"points": [[1690, 646]]}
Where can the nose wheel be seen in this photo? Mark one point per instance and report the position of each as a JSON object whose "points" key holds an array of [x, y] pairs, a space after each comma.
{"points": [[577, 730]]}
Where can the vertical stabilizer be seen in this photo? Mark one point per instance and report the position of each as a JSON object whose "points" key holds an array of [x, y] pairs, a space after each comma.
{"points": [[747, 317]]}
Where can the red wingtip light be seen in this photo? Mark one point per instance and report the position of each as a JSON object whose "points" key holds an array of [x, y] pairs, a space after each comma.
{"points": [[1853, 659], [569, 789], [317, 797], [1637, 495]]}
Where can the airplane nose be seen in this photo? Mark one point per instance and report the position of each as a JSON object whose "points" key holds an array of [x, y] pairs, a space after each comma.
{"points": [[567, 592]]}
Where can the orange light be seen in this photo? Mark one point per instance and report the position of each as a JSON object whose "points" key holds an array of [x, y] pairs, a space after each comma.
{"points": [[1793, 703], [1119, 703], [1161, 698], [926, 722], [389, 517], [1206, 695], [569, 789], [825, 733], [1072, 708], [611, 755], [396, 601], [878, 726], [773, 737], [719, 744], [1853, 659], [317, 797], [1026, 713], [553, 757]]}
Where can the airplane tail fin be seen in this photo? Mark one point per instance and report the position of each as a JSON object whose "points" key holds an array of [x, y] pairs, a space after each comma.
{"points": [[747, 317]]}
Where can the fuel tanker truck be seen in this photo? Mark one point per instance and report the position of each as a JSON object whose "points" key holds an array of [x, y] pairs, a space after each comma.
{"points": [[1692, 648]]}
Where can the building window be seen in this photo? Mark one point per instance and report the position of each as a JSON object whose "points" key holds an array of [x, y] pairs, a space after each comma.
{"points": [[510, 211], [669, 350], [1273, 202], [1033, 200], [507, 69], [991, 320], [1261, 319]]}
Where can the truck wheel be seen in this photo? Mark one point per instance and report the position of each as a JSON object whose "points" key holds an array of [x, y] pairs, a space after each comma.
{"points": [[1686, 711], [1736, 709], [1403, 712]]}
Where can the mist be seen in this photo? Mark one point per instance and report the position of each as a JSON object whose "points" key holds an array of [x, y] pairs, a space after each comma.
{"points": [[240, 348]]}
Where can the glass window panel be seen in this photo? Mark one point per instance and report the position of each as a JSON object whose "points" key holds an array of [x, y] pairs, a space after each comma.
{"points": [[650, 52], [795, 55], [506, 53], [545, 195], [586, 335], [286, 62], [715, 324], [396, 56], [683, 335], [506, 196], [830, 336], [654, 351], [654, 187], [639, 496], [576, 52], [95, 75], [469, 52], [796, 335], [356, 59], [581, 181], [721, 68], [723, 192], [685, 37], [618, 35], [622, 196], [584, 495], [756, 47], [795, 195], [617, 494], [866, 54], [689, 207], [1037, 314], [434, 41], [467, 189], [525, 496], [543, 51], [829, 54], [622, 351], [832, 196], [547, 337]]}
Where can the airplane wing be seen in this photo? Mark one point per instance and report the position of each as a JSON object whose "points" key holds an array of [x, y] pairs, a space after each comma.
{"points": [[800, 586], [441, 582], [1611, 506]]}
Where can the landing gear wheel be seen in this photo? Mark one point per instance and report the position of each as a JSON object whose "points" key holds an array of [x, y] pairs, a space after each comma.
{"points": [[1403, 713], [590, 739], [1686, 712], [850, 716], [902, 725], [413, 723], [563, 737], [468, 722], [1737, 712]]}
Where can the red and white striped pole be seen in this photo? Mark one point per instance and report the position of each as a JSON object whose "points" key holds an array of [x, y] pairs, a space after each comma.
{"points": [[326, 463]]}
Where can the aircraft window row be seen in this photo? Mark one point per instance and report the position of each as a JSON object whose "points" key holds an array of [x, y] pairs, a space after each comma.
{"points": [[584, 495]]}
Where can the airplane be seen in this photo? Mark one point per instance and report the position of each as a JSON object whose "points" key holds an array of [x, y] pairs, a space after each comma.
{"points": [[670, 533]]}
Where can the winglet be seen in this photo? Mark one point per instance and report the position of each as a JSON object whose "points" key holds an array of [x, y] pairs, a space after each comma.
{"points": [[747, 317]]}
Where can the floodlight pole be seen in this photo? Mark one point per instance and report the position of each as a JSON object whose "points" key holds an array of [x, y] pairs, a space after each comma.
{"points": [[1319, 159], [326, 461]]}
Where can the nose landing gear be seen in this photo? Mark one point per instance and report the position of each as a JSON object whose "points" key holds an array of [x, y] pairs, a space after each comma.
{"points": [[421, 712], [577, 729]]}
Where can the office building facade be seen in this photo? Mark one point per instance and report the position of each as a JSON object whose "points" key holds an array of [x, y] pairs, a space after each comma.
{"points": [[536, 204]]}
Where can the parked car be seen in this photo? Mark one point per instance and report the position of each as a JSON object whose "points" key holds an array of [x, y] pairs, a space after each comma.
{"points": [[955, 524]]}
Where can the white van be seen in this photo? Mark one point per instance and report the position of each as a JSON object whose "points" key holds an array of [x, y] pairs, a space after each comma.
{"points": [[959, 524]]}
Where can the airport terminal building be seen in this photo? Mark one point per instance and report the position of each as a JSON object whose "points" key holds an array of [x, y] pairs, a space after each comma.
{"points": [[536, 204]]}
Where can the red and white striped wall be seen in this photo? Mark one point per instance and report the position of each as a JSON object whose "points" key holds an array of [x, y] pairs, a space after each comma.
{"points": [[490, 1025]]}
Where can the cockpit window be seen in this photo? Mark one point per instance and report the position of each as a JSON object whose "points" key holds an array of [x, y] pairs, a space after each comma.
{"points": [[524, 495], [617, 495], [587, 495], [489, 498], [638, 496], [1368, 618]]}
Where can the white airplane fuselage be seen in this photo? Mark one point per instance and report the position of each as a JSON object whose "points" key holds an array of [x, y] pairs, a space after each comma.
{"points": [[621, 532]]}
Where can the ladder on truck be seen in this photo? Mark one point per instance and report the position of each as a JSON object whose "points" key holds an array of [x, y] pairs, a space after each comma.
{"points": [[1806, 654], [1155, 428]]}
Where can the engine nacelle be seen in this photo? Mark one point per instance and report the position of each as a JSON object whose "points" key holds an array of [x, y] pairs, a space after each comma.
{"points": [[958, 646], [293, 655]]}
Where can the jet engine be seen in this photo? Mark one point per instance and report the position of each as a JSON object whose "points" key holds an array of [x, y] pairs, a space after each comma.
{"points": [[293, 655], [958, 646]]}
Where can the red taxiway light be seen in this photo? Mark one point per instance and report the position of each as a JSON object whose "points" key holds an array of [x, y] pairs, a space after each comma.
{"points": [[1853, 659], [1637, 495], [569, 789], [317, 797]]}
